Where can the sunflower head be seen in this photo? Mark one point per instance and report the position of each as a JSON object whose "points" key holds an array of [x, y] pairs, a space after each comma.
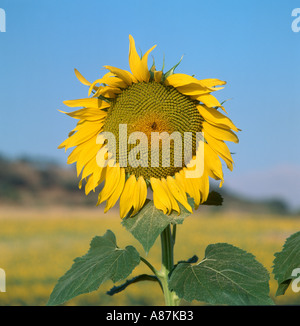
{"points": [[155, 118]]}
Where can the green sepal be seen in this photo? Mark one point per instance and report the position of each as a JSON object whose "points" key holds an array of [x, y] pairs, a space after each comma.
{"points": [[151, 70], [163, 64], [153, 64], [105, 99], [171, 71]]}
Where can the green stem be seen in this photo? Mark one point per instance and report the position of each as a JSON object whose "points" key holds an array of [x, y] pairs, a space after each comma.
{"points": [[145, 261], [174, 234], [167, 250]]}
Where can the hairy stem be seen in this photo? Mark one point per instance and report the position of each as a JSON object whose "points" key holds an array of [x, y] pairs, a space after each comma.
{"points": [[167, 250]]}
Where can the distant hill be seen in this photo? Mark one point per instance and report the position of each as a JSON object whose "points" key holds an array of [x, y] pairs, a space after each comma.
{"points": [[27, 182]]}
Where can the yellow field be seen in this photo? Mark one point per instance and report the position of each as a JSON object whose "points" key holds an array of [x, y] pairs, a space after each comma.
{"points": [[37, 247]]}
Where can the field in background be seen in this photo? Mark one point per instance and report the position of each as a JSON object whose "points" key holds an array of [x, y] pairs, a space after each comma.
{"points": [[38, 246]]}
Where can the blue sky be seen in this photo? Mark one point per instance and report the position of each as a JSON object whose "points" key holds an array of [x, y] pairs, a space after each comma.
{"points": [[250, 44]]}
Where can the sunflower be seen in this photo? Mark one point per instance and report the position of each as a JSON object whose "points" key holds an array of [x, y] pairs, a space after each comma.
{"points": [[148, 101]]}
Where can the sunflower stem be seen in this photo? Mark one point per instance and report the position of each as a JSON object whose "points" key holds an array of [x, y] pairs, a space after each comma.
{"points": [[174, 235], [167, 250]]}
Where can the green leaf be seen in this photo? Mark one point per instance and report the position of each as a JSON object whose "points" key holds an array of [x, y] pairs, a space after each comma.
{"points": [[171, 71], [286, 261], [139, 278], [149, 222], [214, 199], [103, 261], [227, 275]]}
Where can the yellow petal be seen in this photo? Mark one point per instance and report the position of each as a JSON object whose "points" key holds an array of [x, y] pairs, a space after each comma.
{"points": [[73, 157], [219, 132], [103, 156], [158, 204], [157, 76], [89, 185], [86, 102], [161, 198], [180, 180], [174, 203], [144, 65], [212, 163], [89, 168], [84, 132], [111, 201], [112, 179], [134, 59], [138, 66], [98, 176], [215, 117], [113, 81], [126, 76], [192, 189], [221, 149], [193, 90], [81, 78], [212, 82], [87, 114], [178, 192], [108, 80], [83, 153], [179, 80], [108, 91], [140, 194], [209, 100], [201, 188], [88, 151], [93, 85], [127, 198], [204, 186], [95, 179]]}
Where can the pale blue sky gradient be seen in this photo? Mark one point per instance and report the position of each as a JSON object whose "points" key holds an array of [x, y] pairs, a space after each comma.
{"points": [[250, 44]]}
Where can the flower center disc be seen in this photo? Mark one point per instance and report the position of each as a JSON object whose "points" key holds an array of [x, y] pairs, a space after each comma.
{"points": [[152, 108]]}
